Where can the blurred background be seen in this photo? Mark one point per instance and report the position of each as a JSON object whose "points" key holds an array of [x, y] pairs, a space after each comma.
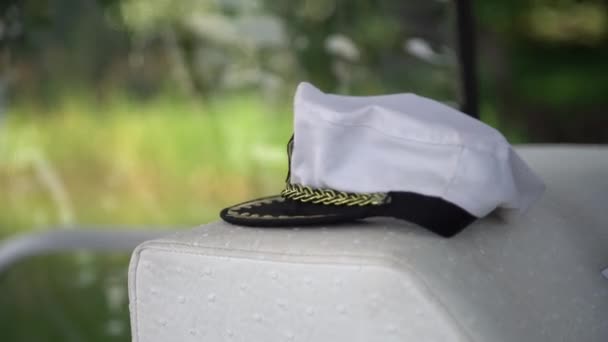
{"points": [[158, 113]]}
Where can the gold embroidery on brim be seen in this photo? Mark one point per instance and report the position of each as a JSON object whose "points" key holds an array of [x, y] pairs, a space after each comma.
{"points": [[307, 194]]}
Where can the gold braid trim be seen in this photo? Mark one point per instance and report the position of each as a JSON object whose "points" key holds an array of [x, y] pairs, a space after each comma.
{"points": [[304, 193]]}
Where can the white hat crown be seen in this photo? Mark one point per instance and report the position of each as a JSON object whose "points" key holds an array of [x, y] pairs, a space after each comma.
{"points": [[407, 143]]}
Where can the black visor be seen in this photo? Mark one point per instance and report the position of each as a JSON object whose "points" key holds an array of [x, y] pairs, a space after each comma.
{"points": [[432, 213]]}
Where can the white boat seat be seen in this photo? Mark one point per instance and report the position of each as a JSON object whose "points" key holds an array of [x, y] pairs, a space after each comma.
{"points": [[538, 279]]}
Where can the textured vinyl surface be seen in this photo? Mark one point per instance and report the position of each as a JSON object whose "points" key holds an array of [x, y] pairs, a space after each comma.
{"points": [[238, 299], [537, 279]]}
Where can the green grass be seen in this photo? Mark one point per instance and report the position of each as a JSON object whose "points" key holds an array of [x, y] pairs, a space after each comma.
{"points": [[167, 161]]}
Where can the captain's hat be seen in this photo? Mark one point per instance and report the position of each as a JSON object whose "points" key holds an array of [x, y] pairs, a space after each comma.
{"points": [[399, 155]]}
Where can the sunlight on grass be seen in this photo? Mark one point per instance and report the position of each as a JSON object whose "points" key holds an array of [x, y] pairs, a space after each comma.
{"points": [[165, 162]]}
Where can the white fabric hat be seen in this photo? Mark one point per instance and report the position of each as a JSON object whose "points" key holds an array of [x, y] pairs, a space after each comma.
{"points": [[399, 144], [405, 142]]}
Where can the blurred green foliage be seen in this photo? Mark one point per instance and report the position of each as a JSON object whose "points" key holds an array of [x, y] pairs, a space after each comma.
{"points": [[132, 162], [206, 47], [544, 67]]}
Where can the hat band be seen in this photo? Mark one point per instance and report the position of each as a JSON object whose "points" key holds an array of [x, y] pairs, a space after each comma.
{"points": [[307, 194]]}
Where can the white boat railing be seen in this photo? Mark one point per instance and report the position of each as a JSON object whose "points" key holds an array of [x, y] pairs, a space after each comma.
{"points": [[98, 239]]}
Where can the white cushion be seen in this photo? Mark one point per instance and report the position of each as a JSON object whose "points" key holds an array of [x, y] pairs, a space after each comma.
{"points": [[538, 279]]}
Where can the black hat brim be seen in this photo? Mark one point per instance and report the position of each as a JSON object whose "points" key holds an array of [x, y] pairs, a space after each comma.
{"points": [[277, 211], [433, 213]]}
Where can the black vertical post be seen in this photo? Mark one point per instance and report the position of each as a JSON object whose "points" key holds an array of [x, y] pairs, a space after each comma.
{"points": [[467, 57]]}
